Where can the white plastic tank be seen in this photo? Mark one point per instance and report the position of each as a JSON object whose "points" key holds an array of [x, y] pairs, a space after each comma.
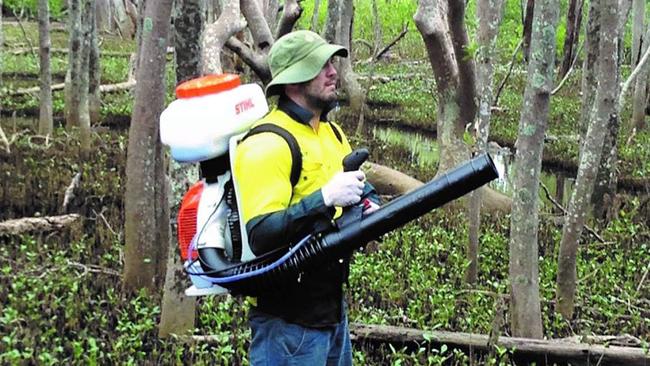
{"points": [[207, 112]]}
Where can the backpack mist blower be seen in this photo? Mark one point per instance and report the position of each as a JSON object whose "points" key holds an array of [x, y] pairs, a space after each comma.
{"points": [[213, 240]]}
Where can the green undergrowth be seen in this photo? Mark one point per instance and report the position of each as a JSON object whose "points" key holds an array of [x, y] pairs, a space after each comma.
{"points": [[63, 303]]}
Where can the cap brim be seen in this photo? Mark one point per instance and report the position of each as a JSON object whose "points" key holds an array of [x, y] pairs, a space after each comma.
{"points": [[305, 69]]}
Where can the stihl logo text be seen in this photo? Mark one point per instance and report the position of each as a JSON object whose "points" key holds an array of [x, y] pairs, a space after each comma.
{"points": [[244, 106]]}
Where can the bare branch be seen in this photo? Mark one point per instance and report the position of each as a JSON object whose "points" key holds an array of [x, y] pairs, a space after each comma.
{"points": [[630, 79], [216, 35], [257, 24], [290, 15], [559, 206], [102, 88], [505, 79], [568, 73], [256, 61], [392, 43]]}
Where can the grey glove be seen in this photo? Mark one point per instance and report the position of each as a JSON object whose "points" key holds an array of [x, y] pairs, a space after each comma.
{"points": [[344, 189]]}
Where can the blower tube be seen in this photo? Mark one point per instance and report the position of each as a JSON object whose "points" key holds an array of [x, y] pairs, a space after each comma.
{"points": [[269, 272]]}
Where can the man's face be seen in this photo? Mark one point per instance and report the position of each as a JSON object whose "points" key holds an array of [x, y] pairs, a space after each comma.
{"points": [[321, 90]]}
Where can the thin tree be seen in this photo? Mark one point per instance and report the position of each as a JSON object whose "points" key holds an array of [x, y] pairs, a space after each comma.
{"points": [[607, 176], [528, 27], [489, 15], [83, 113], [94, 69], [605, 109], [526, 319], [72, 76], [340, 19], [574, 18], [145, 202], [45, 120], [639, 99], [442, 26], [638, 28], [589, 82]]}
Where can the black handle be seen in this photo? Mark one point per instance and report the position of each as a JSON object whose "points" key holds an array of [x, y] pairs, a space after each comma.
{"points": [[353, 160]]}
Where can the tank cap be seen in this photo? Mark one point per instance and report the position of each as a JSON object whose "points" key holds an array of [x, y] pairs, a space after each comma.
{"points": [[208, 84]]}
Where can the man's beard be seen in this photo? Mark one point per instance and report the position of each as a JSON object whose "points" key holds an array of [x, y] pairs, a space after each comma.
{"points": [[319, 101]]}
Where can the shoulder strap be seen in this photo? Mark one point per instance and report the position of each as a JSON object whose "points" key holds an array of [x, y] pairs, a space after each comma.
{"points": [[337, 132], [296, 155]]}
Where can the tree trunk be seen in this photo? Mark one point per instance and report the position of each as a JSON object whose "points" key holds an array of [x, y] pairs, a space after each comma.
{"points": [[349, 78], [607, 176], [146, 205], [45, 121], [526, 320], [31, 225], [589, 82], [591, 153], [376, 22], [572, 30], [315, 16], [638, 29], [528, 27], [332, 20], [84, 79], [94, 71], [177, 310], [73, 74], [188, 28], [104, 15], [489, 16], [442, 27]]}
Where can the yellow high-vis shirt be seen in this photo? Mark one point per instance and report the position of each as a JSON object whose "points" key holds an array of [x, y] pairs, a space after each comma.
{"points": [[263, 165]]}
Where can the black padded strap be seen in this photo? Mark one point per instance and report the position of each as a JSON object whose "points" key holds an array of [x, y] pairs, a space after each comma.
{"points": [[296, 154], [337, 132]]}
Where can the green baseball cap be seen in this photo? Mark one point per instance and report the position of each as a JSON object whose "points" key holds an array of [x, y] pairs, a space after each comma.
{"points": [[298, 57]]}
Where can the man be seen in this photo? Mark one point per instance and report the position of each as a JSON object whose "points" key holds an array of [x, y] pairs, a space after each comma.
{"points": [[306, 323]]}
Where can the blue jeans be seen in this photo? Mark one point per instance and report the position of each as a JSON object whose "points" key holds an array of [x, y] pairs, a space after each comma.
{"points": [[276, 342]]}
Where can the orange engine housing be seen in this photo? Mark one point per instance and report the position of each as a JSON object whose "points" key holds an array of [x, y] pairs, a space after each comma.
{"points": [[187, 219]]}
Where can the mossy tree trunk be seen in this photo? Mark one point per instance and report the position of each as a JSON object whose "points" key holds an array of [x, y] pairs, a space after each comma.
{"points": [[45, 120], [607, 176], [605, 110], [525, 307], [490, 13], [145, 202], [442, 26]]}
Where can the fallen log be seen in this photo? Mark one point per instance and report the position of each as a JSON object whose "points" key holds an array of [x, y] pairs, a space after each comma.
{"points": [[102, 88], [544, 352], [388, 181], [38, 224]]}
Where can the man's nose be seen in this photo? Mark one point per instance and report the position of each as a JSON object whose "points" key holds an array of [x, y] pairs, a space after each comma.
{"points": [[330, 70]]}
